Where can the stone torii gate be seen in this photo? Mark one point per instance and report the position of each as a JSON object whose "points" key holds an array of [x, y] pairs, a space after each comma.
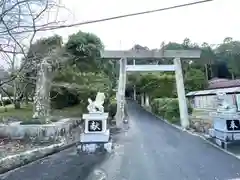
{"points": [[176, 55]]}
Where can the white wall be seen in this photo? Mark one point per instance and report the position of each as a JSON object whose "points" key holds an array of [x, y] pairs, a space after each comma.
{"points": [[210, 102]]}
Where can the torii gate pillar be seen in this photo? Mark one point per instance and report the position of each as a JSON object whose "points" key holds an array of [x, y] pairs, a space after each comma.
{"points": [[121, 92], [181, 93]]}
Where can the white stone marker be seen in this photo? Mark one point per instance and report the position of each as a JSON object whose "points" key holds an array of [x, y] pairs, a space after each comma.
{"points": [[95, 132]]}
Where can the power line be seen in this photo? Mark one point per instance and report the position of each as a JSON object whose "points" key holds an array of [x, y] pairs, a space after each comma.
{"points": [[123, 16], [48, 28]]}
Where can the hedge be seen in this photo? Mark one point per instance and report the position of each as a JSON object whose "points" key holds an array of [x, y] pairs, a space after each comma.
{"points": [[168, 108]]}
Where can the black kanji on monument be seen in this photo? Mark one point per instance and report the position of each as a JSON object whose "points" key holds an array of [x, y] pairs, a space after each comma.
{"points": [[233, 125], [94, 125]]}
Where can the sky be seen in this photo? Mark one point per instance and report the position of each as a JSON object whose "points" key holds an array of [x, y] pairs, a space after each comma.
{"points": [[208, 22]]}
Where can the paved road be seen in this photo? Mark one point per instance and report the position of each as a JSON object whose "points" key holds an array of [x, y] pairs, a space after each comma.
{"points": [[153, 150], [66, 165]]}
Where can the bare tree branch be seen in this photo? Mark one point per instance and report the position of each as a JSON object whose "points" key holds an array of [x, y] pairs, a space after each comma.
{"points": [[19, 24]]}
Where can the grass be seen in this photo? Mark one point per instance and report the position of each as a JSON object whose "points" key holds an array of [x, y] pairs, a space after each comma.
{"points": [[74, 111], [201, 112], [9, 111], [26, 112]]}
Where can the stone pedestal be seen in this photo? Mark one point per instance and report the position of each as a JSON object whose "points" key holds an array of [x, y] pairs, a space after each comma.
{"points": [[96, 135], [226, 124], [95, 129]]}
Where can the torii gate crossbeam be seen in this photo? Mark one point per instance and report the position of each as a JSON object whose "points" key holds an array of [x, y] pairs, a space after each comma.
{"points": [[145, 54], [149, 68]]}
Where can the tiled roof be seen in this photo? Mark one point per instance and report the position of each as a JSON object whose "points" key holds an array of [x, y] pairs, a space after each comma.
{"points": [[214, 91], [223, 83]]}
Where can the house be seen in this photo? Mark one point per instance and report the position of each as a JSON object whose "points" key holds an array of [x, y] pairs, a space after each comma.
{"points": [[206, 99], [205, 102]]}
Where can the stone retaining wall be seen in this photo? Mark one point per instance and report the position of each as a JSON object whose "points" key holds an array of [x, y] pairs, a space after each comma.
{"points": [[39, 132], [201, 120]]}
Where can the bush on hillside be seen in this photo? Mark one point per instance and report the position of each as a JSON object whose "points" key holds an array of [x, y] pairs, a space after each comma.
{"points": [[168, 108]]}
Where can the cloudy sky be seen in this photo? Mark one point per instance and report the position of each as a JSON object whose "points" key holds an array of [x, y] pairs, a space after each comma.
{"points": [[210, 22]]}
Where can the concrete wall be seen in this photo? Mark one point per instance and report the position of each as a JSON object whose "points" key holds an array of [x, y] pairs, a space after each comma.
{"points": [[42, 132], [209, 102]]}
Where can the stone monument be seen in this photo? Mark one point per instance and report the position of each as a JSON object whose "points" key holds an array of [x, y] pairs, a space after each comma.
{"points": [[226, 124], [96, 134]]}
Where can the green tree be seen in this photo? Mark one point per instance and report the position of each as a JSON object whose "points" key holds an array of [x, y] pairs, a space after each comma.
{"points": [[27, 78], [84, 71], [194, 80], [195, 71], [229, 51], [85, 50], [163, 84]]}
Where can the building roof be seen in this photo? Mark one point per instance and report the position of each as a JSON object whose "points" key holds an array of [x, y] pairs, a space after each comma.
{"points": [[223, 83], [214, 91]]}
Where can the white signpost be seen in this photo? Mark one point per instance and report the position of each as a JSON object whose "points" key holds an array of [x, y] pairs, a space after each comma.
{"points": [[96, 134], [176, 55]]}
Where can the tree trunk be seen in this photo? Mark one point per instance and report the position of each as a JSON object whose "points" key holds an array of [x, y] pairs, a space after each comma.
{"points": [[42, 105], [26, 97], [15, 101], [206, 71], [2, 103], [17, 104]]}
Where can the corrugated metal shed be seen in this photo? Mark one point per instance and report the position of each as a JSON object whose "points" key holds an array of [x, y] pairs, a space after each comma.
{"points": [[214, 91]]}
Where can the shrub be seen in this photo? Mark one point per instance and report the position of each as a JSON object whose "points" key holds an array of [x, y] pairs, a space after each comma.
{"points": [[63, 99], [112, 108], [5, 102], [168, 108]]}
